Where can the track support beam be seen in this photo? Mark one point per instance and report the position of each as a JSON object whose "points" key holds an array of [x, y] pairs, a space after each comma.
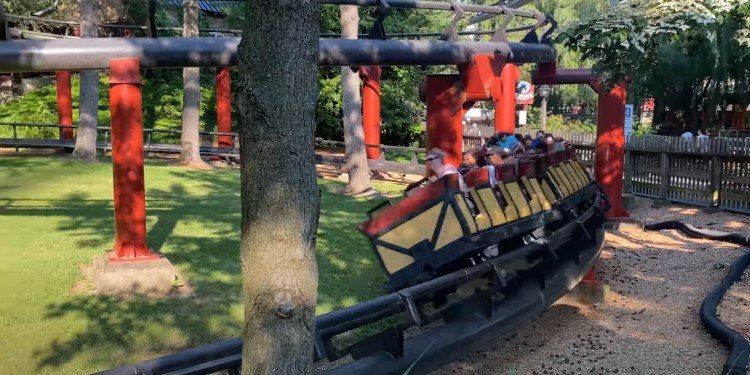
{"points": [[224, 107], [445, 99], [505, 108], [64, 104], [127, 162], [610, 144], [370, 76]]}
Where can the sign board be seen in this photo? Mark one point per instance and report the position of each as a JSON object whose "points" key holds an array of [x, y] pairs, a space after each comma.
{"points": [[628, 119], [524, 93], [521, 118]]}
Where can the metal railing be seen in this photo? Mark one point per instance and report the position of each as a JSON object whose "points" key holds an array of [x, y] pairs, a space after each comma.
{"points": [[713, 172], [207, 139]]}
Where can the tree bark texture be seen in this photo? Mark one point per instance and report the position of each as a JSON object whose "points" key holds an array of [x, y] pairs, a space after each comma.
{"points": [[354, 134], [191, 96], [277, 96], [85, 148]]}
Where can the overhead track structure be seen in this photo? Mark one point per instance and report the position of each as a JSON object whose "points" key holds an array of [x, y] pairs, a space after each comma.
{"points": [[77, 54]]}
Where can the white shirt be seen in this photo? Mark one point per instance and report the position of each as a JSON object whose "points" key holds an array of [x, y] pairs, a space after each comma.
{"points": [[687, 135]]}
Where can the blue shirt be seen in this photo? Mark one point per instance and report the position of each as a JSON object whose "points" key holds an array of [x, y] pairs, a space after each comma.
{"points": [[509, 142], [537, 143]]}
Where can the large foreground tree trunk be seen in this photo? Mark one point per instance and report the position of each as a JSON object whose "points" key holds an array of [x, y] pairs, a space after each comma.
{"points": [[191, 96], [85, 148], [280, 198], [354, 134]]}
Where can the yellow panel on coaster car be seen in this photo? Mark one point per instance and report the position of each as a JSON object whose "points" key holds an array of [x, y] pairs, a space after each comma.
{"points": [[439, 229]]}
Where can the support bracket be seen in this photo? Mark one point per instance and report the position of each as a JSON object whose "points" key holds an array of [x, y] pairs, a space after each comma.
{"points": [[501, 35], [378, 31], [450, 33]]}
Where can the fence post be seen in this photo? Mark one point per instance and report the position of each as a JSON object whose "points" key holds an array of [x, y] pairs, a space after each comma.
{"points": [[715, 180], [664, 187], [15, 136], [628, 171]]}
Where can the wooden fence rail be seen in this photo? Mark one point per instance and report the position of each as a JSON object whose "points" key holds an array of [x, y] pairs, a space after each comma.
{"points": [[713, 172]]}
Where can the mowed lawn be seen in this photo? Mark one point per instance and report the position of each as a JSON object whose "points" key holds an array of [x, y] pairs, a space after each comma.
{"points": [[56, 214]]}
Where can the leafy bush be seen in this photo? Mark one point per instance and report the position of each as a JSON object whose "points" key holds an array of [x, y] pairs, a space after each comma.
{"points": [[162, 105], [40, 106]]}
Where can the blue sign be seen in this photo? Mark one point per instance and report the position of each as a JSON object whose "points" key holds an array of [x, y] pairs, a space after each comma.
{"points": [[628, 119]]}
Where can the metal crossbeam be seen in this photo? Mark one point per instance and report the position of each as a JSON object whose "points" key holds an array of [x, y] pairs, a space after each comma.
{"points": [[434, 5], [80, 54]]}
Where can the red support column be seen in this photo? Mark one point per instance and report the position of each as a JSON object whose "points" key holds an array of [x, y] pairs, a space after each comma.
{"points": [[610, 144], [224, 107], [371, 108], [64, 104], [445, 99], [505, 107], [127, 161]]}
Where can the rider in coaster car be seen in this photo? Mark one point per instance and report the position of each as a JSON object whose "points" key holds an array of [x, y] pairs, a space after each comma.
{"points": [[497, 155], [503, 140], [538, 142], [473, 159], [435, 162], [559, 144]]}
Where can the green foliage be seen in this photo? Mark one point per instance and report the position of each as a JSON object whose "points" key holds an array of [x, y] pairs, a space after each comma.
{"points": [[25, 7], [328, 111], [401, 109], [558, 123], [691, 56], [40, 106], [162, 102], [162, 105]]}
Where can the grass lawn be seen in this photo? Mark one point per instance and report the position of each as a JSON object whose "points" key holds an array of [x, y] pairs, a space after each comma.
{"points": [[55, 214]]}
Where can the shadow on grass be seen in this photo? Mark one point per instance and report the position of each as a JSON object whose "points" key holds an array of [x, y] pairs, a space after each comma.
{"points": [[195, 222]]}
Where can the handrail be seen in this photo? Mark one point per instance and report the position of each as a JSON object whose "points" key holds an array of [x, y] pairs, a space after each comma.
{"points": [[107, 128]]}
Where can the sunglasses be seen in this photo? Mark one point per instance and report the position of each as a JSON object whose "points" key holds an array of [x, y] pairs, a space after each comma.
{"points": [[432, 158]]}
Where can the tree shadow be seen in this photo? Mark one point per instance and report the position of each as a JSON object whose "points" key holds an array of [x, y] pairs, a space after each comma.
{"points": [[197, 227]]}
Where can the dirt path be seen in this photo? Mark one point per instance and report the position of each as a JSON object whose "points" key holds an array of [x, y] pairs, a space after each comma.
{"points": [[649, 322]]}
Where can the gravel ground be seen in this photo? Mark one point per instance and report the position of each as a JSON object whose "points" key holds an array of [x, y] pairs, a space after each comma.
{"points": [[734, 309], [648, 323]]}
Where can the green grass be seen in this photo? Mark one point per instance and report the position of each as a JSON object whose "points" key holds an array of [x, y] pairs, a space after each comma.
{"points": [[56, 214]]}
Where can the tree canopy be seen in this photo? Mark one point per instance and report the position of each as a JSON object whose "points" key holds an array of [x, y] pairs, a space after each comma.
{"points": [[690, 55]]}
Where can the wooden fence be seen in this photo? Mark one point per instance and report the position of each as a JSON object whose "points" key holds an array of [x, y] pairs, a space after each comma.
{"points": [[714, 172]]}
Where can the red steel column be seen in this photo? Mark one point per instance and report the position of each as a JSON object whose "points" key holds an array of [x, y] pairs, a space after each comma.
{"points": [[445, 99], [64, 104], [505, 108], [371, 108], [127, 161], [224, 107], [610, 144]]}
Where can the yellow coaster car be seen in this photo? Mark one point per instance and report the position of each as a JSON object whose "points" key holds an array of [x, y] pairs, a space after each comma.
{"points": [[440, 229]]}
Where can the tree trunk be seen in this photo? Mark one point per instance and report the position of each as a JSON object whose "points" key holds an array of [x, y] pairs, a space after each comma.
{"points": [[191, 97], [85, 148], [354, 134], [277, 97]]}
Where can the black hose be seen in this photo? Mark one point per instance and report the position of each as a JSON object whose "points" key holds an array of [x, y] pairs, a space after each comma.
{"points": [[739, 348]]}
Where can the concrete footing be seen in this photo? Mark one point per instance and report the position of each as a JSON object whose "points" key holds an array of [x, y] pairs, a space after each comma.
{"points": [[588, 293], [628, 201], [618, 224], [150, 277]]}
